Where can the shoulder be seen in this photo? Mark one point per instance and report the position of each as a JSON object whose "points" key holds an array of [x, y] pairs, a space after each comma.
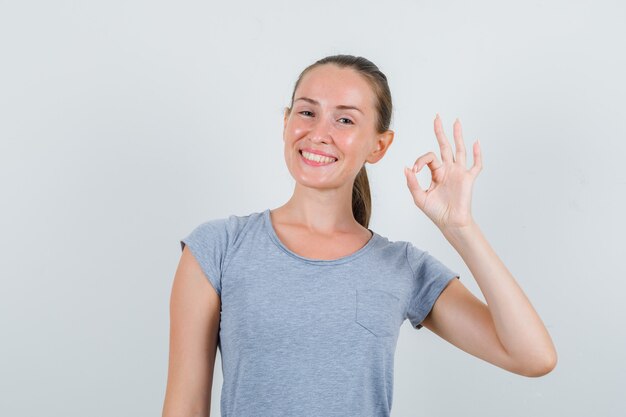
{"points": [[214, 242], [393, 251], [414, 254], [399, 246], [405, 252], [224, 231]]}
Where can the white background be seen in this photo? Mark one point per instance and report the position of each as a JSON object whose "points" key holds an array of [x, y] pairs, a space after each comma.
{"points": [[125, 124]]}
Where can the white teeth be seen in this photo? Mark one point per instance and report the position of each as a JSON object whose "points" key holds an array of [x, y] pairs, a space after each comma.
{"points": [[317, 158]]}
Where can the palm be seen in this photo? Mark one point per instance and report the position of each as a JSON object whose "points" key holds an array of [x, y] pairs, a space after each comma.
{"points": [[448, 200]]}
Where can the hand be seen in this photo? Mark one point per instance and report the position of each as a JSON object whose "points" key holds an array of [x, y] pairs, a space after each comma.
{"points": [[448, 200]]}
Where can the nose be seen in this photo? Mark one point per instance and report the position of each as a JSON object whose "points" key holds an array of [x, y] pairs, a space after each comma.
{"points": [[321, 131]]}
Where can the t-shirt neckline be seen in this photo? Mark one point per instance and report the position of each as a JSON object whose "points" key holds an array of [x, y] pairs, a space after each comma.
{"points": [[274, 237]]}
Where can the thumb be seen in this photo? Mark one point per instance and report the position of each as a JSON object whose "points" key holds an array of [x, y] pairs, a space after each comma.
{"points": [[411, 181]]}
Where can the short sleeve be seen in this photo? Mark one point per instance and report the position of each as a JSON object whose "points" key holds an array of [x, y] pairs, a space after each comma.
{"points": [[208, 243], [430, 278]]}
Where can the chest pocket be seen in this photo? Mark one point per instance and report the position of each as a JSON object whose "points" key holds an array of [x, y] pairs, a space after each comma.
{"points": [[376, 310]]}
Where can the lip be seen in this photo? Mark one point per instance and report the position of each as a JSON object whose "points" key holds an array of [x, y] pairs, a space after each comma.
{"points": [[313, 163], [318, 152]]}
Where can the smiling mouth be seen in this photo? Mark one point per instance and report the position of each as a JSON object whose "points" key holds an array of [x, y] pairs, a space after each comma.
{"points": [[315, 159]]}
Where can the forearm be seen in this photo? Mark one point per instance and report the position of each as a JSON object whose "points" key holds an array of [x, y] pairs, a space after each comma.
{"points": [[518, 326]]}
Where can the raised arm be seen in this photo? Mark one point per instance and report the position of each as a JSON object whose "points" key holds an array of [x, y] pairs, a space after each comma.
{"points": [[194, 331], [506, 331]]}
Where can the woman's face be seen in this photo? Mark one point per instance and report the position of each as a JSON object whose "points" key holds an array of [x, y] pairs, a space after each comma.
{"points": [[333, 114]]}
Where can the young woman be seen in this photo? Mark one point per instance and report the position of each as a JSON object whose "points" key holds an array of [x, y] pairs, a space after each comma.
{"points": [[305, 302]]}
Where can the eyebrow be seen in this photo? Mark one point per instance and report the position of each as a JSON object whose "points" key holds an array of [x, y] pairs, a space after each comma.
{"points": [[341, 106]]}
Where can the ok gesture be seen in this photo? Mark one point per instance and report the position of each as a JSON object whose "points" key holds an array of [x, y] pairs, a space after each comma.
{"points": [[448, 200]]}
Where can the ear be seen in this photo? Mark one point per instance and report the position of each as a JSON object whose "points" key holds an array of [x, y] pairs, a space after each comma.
{"points": [[286, 116], [383, 141]]}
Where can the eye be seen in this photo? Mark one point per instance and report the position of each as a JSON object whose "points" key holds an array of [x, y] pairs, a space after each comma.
{"points": [[305, 111], [350, 121]]}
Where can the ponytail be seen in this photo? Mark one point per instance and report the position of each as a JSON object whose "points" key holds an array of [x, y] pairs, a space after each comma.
{"points": [[361, 198]]}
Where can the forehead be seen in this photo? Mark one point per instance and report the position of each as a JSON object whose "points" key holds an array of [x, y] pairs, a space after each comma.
{"points": [[332, 85]]}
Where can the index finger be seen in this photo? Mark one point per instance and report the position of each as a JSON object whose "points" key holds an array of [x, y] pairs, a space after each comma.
{"points": [[444, 143]]}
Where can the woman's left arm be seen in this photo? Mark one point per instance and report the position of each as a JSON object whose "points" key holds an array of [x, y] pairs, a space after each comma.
{"points": [[518, 327], [507, 331]]}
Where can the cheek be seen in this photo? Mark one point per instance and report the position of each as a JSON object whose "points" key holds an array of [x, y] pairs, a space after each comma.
{"points": [[350, 141], [350, 145], [297, 129], [297, 125]]}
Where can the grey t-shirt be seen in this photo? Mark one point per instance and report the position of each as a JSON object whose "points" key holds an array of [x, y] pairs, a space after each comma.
{"points": [[308, 337]]}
